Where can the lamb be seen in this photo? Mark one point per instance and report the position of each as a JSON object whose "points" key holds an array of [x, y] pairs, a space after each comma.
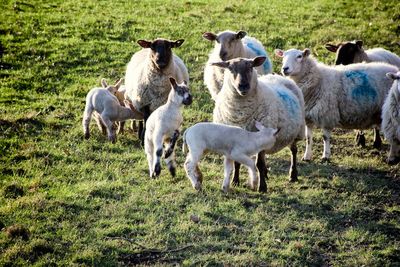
{"points": [[107, 110], [163, 128], [229, 45], [273, 100], [147, 75], [349, 97], [391, 119], [235, 143]]}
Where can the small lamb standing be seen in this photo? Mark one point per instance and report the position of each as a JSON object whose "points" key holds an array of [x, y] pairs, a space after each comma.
{"points": [[348, 97], [230, 45], [163, 129], [235, 143], [391, 119], [147, 76], [107, 110]]}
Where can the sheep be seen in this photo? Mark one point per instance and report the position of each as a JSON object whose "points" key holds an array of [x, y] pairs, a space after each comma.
{"points": [[273, 100], [349, 97], [104, 105], [353, 52], [229, 45], [163, 129], [147, 76], [235, 143], [391, 119]]}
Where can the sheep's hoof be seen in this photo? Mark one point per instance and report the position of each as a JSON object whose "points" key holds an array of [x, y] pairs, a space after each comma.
{"points": [[157, 169], [225, 189], [306, 159], [293, 176], [393, 160], [197, 187], [262, 188], [377, 144], [87, 136], [360, 140], [325, 160], [235, 182], [172, 170]]}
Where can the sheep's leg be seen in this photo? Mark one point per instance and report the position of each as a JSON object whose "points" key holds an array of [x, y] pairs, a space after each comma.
{"points": [[171, 164], [377, 139], [172, 143], [263, 171], [293, 163], [121, 125], [309, 142], [235, 180], [146, 114], [250, 164], [394, 153], [192, 170], [158, 151], [148, 148], [228, 167], [86, 121], [133, 125], [326, 135], [360, 139], [109, 125]]}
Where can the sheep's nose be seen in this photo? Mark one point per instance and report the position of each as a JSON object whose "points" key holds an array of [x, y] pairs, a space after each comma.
{"points": [[285, 70], [223, 55]]}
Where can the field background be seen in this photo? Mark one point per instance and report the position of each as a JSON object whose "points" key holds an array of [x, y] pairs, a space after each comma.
{"points": [[67, 201]]}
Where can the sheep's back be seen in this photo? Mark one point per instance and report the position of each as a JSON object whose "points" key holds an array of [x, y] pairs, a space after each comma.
{"points": [[383, 55]]}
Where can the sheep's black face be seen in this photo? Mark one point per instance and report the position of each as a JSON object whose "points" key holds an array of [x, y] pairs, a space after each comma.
{"points": [[161, 51], [242, 73], [346, 53], [183, 91]]}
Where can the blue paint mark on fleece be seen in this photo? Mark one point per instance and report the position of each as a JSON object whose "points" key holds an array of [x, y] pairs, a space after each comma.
{"points": [[362, 91], [289, 100], [259, 52]]}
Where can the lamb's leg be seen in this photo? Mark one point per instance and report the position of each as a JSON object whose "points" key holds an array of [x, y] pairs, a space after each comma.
{"points": [[148, 148], [192, 169], [394, 153], [121, 125], [360, 139], [293, 163], [86, 121], [309, 142], [326, 135], [263, 171], [377, 139], [109, 125], [158, 151], [250, 164], [228, 167], [100, 124], [146, 114], [171, 164], [235, 180], [172, 143]]}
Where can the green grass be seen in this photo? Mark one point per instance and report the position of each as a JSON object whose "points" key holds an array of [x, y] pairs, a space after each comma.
{"points": [[68, 201]]}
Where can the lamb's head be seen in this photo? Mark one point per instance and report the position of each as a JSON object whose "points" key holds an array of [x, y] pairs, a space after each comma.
{"points": [[346, 51], [396, 78], [180, 93], [161, 51], [293, 60], [240, 73], [267, 135], [113, 89], [228, 43]]}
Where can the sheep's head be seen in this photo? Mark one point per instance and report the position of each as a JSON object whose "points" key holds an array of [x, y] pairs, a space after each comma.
{"points": [[396, 78], [345, 52], [181, 92], [267, 134], [161, 51], [292, 60], [228, 43], [113, 89], [241, 72]]}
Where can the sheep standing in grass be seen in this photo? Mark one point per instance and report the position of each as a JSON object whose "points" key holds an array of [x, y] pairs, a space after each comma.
{"points": [[229, 45], [235, 143], [391, 119], [107, 110], [349, 97], [147, 76], [163, 129], [273, 100]]}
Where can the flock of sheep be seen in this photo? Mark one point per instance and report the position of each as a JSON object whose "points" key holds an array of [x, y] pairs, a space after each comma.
{"points": [[256, 112]]}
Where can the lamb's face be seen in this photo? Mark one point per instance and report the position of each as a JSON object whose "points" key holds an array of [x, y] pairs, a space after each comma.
{"points": [[345, 52], [228, 43], [161, 51], [292, 60], [267, 134], [181, 92]]}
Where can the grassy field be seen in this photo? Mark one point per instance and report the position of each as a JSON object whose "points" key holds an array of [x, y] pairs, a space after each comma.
{"points": [[68, 201]]}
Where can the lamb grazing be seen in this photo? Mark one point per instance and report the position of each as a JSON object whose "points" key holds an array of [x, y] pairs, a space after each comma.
{"points": [[273, 100], [391, 119], [147, 76], [235, 143], [107, 110], [349, 97], [230, 45], [163, 129]]}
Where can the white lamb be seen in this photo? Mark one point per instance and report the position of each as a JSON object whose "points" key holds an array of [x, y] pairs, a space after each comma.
{"points": [[163, 129], [107, 110], [273, 100], [349, 97], [235, 143], [391, 119], [230, 45], [147, 75]]}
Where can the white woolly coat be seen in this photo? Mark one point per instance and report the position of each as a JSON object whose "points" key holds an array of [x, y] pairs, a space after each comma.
{"points": [[391, 115], [378, 55]]}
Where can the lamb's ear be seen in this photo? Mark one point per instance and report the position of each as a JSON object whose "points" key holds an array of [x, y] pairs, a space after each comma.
{"points": [[241, 34], [306, 52], [279, 52], [392, 75], [222, 64], [210, 36], [258, 61], [259, 126], [331, 47], [173, 82], [177, 43], [359, 43], [104, 83], [276, 131], [144, 43], [118, 83]]}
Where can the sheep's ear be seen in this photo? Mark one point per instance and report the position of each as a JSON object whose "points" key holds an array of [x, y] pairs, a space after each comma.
{"points": [[279, 52], [210, 36], [241, 34], [392, 75], [177, 43], [276, 131], [144, 43], [331, 47], [104, 83], [259, 126], [222, 64], [306, 52], [173, 82], [359, 43], [258, 61], [118, 83]]}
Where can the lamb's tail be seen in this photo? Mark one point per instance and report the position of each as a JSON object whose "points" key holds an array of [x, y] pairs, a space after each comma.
{"points": [[184, 143]]}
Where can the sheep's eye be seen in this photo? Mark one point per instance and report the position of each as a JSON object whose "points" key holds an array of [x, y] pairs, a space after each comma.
{"points": [[299, 56]]}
